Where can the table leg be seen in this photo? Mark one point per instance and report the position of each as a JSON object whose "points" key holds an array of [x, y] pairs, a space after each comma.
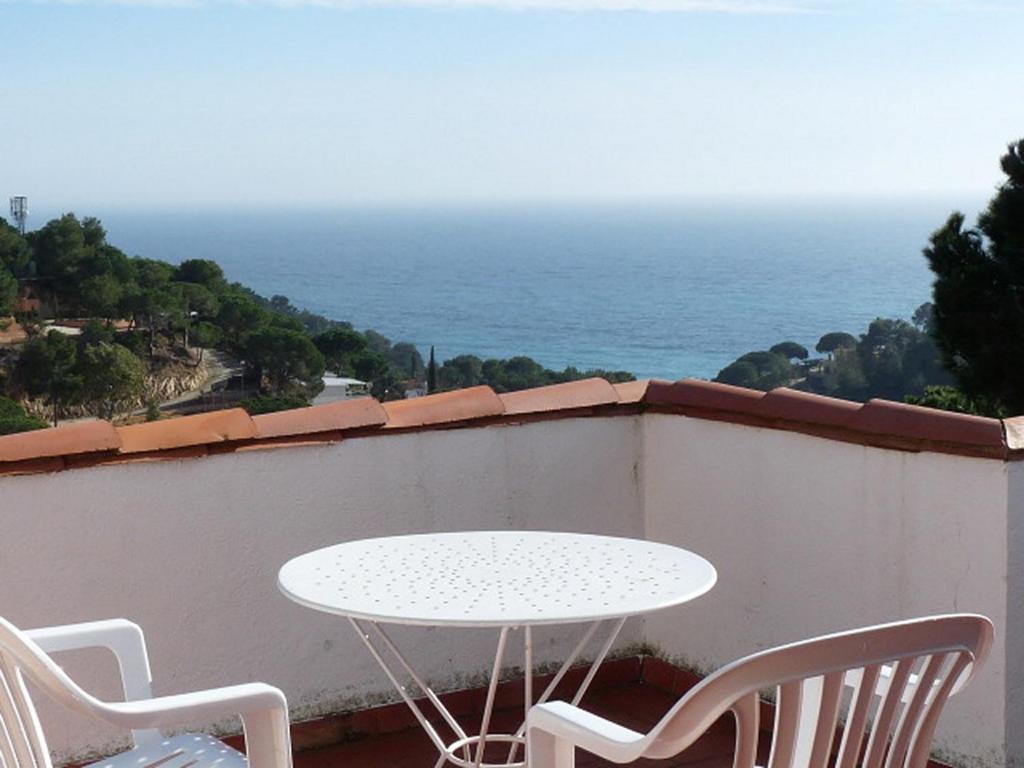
{"points": [[464, 742], [485, 723], [591, 673], [403, 690]]}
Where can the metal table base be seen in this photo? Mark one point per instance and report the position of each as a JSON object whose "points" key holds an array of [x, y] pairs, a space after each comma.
{"points": [[467, 751]]}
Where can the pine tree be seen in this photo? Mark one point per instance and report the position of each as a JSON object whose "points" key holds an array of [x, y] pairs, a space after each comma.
{"points": [[979, 294]]}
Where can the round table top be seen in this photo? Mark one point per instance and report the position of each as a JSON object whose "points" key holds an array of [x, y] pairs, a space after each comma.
{"points": [[495, 578]]}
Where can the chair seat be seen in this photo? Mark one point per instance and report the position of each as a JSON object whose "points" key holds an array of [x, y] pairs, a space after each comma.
{"points": [[188, 750]]}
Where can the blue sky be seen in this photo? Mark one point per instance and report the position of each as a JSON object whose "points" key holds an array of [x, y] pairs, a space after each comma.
{"points": [[170, 102]]}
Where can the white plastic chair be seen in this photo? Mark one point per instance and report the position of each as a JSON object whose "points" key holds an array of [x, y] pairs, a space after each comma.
{"points": [[23, 655], [887, 684]]}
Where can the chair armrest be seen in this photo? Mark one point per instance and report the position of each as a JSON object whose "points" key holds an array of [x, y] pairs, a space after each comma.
{"points": [[183, 708], [122, 637], [602, 737], [262, 708]]}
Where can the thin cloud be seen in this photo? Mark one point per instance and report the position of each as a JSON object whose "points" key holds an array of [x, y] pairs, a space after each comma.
{"points": [[737, 7], [659, 6]]}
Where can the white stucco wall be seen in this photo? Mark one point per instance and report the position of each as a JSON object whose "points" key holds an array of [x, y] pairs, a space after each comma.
{"points": [[808, 536], [190, 550], [812, 535], [1014, 632]]}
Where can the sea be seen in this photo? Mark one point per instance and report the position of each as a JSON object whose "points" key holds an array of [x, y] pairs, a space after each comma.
{"points": [[660, 290]]}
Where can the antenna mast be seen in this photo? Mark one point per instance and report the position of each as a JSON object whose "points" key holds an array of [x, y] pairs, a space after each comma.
{"points": [[19, 211]]}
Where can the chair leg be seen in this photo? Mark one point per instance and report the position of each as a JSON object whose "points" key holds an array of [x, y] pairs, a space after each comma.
{"points": [[268, 741], [546, 751]]}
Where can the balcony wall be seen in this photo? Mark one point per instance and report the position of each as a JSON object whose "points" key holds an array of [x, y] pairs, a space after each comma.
{"points": [[809, 535]]}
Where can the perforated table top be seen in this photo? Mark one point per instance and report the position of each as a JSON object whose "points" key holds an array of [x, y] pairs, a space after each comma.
{"points": [[495, 578]]}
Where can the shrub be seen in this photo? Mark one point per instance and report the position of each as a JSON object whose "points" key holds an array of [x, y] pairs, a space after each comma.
{"points": [[270, 404]]}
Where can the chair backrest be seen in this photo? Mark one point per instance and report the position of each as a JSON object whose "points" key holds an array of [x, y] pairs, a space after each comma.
{"points": [[874, 694], [22, 744]]}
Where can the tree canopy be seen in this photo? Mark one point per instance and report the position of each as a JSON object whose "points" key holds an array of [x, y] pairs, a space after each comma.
{"points": [[790, 350], [46, 368], [830, 342], [893, 359], [759, 370], [513, 374], [286, 359], [339, 346], [113, 379], [978, 293], [13, 418]]}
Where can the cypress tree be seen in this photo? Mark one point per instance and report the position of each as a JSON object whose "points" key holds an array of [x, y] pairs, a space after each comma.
{"points": [[432, 373]]}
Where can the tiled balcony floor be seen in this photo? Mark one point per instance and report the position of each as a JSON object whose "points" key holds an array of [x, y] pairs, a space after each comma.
{"points": [[637, 705]]}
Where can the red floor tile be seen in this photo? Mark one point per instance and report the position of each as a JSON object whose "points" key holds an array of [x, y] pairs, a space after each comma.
{"points": [[635, 705]]}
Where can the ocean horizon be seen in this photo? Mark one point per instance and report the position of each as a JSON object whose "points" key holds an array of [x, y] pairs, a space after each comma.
{"points": [[661, 290]]}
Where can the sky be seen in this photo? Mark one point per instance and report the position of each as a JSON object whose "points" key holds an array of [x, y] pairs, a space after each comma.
{"points": [[310, 102]]}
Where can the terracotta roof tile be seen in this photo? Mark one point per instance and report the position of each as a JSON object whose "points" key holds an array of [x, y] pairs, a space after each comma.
{"points": [[69, 440], [346, 414], [200, 429], [444, 408], [633, 391], [915, 421], [793, 405], [878, 423], [705, 395], [585, 393]]}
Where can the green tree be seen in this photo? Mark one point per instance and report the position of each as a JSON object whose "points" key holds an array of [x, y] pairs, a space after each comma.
{"points": [[924, 318], [432, 373], [338, 345], [271, 404], [406, 360], [13, 418], [207, 335], [790, 350], [102, 296], [369, 365], [515, 373], [947, 398], [193, 302], [740, 374], [201, 272], [15, 255], [238, 317], [978, 294], [161, 309], [152, 274], [95, 332], [836, 340], [46, 368], [377, 342], [113, 379], [286, 359], [460, 372], [59, 248], [388, 386], [770, 370], [8, 292]]}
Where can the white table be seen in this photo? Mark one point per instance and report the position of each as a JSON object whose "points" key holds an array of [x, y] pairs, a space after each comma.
{"points": [[502, 579]]}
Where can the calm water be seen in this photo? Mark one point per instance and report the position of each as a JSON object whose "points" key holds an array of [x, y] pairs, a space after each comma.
{"points": [[660, 291]]}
